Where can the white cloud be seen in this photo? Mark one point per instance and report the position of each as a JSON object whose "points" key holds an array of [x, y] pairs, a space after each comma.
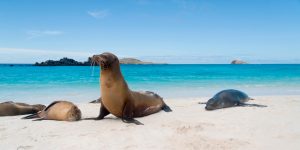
{"points": [[22, 55], [99, 13], [40, 33]]}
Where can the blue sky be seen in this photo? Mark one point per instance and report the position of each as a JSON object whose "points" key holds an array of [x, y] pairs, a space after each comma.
{"points": [[172, 31]]}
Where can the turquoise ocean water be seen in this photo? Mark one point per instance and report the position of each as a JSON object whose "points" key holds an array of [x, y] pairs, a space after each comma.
{"points": [[81, 84]]}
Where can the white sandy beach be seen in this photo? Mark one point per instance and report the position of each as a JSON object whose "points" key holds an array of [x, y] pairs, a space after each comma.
{"points": [[189, 126]]}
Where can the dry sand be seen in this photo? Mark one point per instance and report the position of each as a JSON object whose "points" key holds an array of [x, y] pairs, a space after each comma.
{"points": [[189, 126]]}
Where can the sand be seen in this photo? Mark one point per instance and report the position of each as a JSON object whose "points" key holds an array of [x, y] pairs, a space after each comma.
{"points": [[189, 126]]}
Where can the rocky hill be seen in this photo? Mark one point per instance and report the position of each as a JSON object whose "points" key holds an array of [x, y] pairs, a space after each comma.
{"points": [[238, 62], [132, 61], [71, 62]]}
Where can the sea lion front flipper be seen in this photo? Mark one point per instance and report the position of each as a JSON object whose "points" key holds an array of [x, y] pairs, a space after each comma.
{"points": [[103, 112], [127, 114], [166, 108]]}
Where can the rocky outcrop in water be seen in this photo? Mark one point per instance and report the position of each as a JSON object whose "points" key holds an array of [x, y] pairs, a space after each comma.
{"points": [[238, 62], [64, 62]]}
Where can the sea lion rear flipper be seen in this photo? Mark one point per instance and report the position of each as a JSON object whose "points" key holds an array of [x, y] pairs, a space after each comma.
{"points": [[127, 114], [31, 116], [131, 120], [96, 101], [202, 103], [251, 105], [39, 119]]}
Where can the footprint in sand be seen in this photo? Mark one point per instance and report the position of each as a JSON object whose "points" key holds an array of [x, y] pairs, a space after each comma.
{"points": [[187, 128], [24, 147]]}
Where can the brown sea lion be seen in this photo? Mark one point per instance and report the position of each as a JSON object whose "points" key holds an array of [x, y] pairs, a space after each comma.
{"points": [[58, 110], [10, 108], [118, 99]]}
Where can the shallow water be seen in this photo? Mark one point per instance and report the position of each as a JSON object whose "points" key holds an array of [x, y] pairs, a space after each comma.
{"points": [[81, 83]]}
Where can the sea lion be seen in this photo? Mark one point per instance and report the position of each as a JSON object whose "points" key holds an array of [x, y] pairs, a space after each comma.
{"points": [[118, 99], [58, 110], [11, 108], [229, 98]]}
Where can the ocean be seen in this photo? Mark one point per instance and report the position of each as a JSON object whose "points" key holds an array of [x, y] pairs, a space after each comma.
{"points": [[34, 84]]}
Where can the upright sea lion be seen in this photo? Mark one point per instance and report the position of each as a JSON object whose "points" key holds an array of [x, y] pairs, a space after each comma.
{"points": [[229, 98], [118, 99], [58, 110], [10, 108]]}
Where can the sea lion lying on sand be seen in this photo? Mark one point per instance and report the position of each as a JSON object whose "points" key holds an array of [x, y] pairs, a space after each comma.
{"points": [[58, 110], [118, 99], [11, 108], [229, 98]]}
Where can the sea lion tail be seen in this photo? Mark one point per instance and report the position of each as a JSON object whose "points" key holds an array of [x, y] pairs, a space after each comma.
{"points": [[166, 108]]}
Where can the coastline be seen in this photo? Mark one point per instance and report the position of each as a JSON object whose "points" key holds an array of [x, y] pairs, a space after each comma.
{"points": [[189, 126]]}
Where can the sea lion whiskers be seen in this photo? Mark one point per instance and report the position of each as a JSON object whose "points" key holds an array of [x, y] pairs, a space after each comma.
{"points": [[93, 66]]}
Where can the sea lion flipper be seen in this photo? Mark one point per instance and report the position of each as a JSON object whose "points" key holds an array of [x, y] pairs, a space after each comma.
{"points": [[103, 112], [127, 114], [96, 101], [252, 105], [39, 119], [166, 108], [202, 102], [31, 116], [131, 120]]}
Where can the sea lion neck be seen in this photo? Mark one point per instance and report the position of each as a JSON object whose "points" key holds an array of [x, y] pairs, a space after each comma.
{"points": [[114, 71], [111, 76]]}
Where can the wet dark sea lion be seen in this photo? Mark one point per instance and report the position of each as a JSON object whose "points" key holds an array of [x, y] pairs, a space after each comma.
{"points": [[58, 110], [118, 99], [229, 98], [10, 108]]}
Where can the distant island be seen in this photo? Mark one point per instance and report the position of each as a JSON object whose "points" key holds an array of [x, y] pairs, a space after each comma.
{"points": [[71, 62], [133, 61], [238, 62]]}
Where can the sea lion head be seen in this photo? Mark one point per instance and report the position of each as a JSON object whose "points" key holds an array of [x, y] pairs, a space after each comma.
{"points": [[105, 60], [212, 104]]}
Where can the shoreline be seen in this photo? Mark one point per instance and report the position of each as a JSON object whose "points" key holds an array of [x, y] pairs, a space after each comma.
{"points": [[189, 126]]}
